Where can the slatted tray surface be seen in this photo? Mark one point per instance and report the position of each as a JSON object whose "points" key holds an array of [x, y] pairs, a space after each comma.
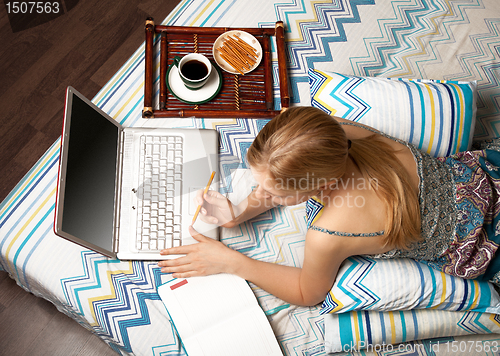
{"points": [[248, 95]]}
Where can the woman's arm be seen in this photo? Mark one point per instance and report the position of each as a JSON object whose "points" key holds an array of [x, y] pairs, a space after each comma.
{"points": [[217, 209], [306, 286], [301, 286]]}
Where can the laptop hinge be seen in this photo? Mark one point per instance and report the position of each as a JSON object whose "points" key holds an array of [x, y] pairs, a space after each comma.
{"points": [[118, 191]]}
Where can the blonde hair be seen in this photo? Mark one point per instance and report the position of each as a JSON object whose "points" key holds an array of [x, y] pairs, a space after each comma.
{"points": [[306, 145]]}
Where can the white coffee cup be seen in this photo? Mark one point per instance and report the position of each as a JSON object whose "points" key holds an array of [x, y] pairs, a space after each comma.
{"points": [[194, 70]]}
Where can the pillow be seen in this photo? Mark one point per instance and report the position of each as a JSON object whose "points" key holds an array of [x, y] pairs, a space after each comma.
{"points": [[381, 331], [362, 283], [436, 116]]}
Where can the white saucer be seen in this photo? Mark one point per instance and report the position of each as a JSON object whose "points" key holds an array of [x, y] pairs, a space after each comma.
{"points": [[176, 86]]}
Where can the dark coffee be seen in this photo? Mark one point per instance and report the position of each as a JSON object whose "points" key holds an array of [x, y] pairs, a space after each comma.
{"points": [[194, 70]]}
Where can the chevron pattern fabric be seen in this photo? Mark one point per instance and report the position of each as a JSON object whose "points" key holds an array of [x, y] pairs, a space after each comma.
{"points": [[362, 284], [359, 329], [452, 40]]}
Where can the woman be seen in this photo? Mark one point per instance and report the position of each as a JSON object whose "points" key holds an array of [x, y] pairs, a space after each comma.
{"points": [[367, 194]]}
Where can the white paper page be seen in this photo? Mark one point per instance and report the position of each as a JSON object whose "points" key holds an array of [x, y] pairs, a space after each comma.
{"points": [[210, 313], [198, 300], [248, 333]]}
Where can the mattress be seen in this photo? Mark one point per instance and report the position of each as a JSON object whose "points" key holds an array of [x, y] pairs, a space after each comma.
{"points": [[117, 300]]}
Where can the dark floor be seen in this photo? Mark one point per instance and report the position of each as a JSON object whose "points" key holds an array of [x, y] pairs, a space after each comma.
{"points": [[33, 326], [83, 47]]}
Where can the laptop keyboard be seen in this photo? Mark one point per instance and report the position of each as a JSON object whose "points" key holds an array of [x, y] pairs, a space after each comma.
{"points": [[160, 189]]}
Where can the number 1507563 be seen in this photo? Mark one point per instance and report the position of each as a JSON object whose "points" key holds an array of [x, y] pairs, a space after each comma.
{"points": [[32, 7]]}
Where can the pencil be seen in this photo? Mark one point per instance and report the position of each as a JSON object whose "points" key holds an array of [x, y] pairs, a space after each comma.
{"points": [[204, 192]]}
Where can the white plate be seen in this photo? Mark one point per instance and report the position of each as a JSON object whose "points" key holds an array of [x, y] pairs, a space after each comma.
{"points": [[245, 36], [204, 94]]}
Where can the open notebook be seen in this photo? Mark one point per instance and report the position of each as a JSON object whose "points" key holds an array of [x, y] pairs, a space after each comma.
{"points": [[218, 315]]}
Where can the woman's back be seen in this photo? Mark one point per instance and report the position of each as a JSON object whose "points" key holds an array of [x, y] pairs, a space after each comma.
{"points": [[354, 208], [402, 151]]}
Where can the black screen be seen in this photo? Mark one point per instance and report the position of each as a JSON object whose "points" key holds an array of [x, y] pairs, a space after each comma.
{"points": [[90, 176]]}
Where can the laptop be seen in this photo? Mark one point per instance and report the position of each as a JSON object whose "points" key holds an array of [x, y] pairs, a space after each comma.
{"points": [[129, 192]]}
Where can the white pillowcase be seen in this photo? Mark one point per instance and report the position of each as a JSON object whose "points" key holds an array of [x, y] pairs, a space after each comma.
{"points": [[403, 284], [436, 116]]}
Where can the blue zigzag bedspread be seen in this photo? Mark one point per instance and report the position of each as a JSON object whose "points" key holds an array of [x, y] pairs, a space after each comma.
{"points": [[117, 300]]}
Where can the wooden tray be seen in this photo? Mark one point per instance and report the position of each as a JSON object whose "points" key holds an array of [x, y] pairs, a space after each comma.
{"points": [[250, 95]]}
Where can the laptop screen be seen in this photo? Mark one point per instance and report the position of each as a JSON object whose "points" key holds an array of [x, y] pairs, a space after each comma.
{"points": [[89, 193]]}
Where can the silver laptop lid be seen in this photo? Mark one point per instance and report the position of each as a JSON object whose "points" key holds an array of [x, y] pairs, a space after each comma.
{"points": [[85, 202]]}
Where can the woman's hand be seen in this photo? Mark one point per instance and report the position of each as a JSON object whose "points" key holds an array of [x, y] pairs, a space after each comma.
{"points": [[206, 257], [215, 208]]}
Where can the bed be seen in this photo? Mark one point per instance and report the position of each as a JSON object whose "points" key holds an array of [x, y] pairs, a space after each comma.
{"points": [[329, 45]]}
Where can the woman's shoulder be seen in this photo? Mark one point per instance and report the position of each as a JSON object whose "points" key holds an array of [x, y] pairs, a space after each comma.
{"points": [[356, 225], [358, 211], [347, 244]]}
